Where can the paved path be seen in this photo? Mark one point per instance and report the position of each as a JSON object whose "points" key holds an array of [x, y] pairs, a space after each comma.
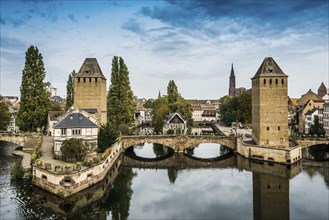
{"points": [[47, 151], [26, 162]]}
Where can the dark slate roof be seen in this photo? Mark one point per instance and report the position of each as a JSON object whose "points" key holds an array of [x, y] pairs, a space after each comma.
{"points": [[90, 68], [75, 120], [310, 112], [269, 68], [90, 110], [56, 98], [168, 118]]}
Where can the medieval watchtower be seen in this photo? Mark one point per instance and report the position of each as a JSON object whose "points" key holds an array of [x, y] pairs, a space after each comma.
{"points": [[270, 106], [90, 89]]}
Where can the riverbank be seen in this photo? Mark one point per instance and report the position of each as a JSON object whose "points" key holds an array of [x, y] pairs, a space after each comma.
{"points": [[26, 162]]}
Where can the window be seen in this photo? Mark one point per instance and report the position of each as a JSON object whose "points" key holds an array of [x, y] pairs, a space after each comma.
{"points": [[281, 140], [282, 81], [95, 79], [276, 81], [63, 131], [78, 79], [76, 131], [264, 82], [270, 81], [84, 80], [89, 79], [268, 128], [278, 128], [267, 142]]}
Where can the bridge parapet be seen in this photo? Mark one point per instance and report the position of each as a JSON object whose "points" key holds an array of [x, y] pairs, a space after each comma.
{"points": [[178, 142], [27, 141], [307, 142]]}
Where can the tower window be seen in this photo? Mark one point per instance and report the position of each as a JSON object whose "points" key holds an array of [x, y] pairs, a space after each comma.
{"points": [[276, 81], [89, 79], [282, 81], [84, 80], [78, 80], [268, 128], [270, 81], [264, 82], [95, 79], [278, 128]]}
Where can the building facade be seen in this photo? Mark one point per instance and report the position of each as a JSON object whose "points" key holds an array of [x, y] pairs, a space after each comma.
{"points": [[75, 124], [174, 123], [90, 89], [269, 105], [326, 117]]}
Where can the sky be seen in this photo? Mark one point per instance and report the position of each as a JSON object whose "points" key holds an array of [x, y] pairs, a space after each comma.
{"points": [[191, 42]]}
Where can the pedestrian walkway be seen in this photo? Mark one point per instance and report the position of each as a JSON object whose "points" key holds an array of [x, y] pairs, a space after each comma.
{"points": [[47, 147], [26, 162]]}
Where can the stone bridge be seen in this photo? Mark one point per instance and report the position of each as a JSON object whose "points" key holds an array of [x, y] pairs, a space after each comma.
{"points": [[307, 142], [178, 142], [27, 141], [181, 161]]}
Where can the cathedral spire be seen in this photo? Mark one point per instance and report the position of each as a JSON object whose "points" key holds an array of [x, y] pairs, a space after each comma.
{"points": [[231, 89]]}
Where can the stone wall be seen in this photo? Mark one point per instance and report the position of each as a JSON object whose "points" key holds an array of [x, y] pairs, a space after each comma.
{"points": [[272, 154], [67, 184], [28, 142]]}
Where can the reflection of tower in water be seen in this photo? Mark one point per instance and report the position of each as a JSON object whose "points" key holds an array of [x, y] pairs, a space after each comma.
{"points": [[270, 196]]}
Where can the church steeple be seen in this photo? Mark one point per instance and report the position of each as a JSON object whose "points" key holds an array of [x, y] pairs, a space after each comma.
{"points": [[159, 96], [231, 90]]}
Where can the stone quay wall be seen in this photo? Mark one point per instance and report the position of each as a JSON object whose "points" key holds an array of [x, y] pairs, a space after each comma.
{"points": [[272, 154], [27, 141], [66, 184]]}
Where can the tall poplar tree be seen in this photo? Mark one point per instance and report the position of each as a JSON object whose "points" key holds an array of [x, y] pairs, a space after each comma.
{"points": [[34, 101], [172, 92], [120, 98], [70, 91]]}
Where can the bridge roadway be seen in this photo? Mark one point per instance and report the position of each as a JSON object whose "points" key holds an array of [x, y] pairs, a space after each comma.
{"points": [[178, 142]]}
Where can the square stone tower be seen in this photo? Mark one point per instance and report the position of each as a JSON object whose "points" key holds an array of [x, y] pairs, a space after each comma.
{"points": [[270, 105], [90, 89]]}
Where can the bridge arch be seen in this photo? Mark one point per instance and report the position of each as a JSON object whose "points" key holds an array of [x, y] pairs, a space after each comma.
{"points": [[178, 142]]}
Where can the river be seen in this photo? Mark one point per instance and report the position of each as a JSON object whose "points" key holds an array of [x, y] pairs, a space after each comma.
{"points": [[203, 189]]}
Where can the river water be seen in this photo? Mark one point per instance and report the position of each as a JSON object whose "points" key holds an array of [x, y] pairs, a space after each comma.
{"points": [[222, 187]]}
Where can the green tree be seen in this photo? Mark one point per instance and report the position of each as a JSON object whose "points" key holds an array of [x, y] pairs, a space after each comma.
{"points": [[4, 116], [228, 109], [55, 106], [34, 101], [70, 91], [244, 107], [107, 136], [172, 92], [317, 128], [120, 98], [75, 148], [160, 110]]}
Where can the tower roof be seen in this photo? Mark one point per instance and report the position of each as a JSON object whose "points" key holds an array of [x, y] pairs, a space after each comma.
{"points": [[269, 68], [322, 87], [232, 70], [90, 68]]}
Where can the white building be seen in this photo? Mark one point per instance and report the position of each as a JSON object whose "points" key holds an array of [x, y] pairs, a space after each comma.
{"points": [[326, 117], [75, 124], [175, 123], [309, 118]]}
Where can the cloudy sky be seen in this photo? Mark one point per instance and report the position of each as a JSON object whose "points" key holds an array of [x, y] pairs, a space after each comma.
{"points": [[191, 42]]}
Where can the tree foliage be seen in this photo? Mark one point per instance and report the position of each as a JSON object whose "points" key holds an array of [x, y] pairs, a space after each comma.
{"points": [[17, 171], [107, 136], [120, 98], [244, 107], [70, 91], [166, 105], [75, 148], [317, 128], [34, 101], [172, 92], [4, 116], [228, 109], [55, 106]]}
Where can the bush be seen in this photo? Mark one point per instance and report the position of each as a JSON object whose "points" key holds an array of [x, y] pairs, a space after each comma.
{"points": [[78, 166], [16, 171], [38, 162], [47, 166]]}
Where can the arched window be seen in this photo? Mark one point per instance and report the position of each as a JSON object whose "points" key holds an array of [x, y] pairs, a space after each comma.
{"points": [[276, 81]]}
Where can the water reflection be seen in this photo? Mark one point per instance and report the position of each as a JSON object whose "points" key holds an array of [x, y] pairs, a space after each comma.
{"points": [[150, 151], [207, 151], [235, 188]]}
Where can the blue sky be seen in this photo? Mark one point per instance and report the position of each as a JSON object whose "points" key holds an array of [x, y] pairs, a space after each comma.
{"points": [[191, 42]]}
